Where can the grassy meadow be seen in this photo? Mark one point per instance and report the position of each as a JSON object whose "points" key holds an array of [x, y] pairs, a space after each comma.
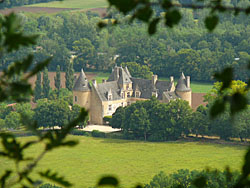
{"points": [[80, 4], [131, 161]]}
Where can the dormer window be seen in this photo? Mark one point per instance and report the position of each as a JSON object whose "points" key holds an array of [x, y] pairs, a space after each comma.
{"points": [[155, 94], [109, 97], [127, 87], [137, 94]]}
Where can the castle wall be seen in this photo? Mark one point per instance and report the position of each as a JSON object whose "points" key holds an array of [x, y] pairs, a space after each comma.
{"points": [[82, 98], [109, 107], [96, 109], [186, 95]]}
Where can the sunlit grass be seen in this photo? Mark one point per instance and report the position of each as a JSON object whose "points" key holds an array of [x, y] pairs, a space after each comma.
{"points": [[131, 161], [81, 4]]}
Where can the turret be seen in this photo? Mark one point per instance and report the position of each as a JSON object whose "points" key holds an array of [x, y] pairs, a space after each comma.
{"points": [[183, 89], [82, 91]]}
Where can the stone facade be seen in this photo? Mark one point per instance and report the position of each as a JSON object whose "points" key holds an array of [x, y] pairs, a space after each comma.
{"points": [[121, 89]]}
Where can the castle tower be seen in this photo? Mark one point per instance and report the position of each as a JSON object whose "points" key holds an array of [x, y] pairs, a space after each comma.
{"points": [[125, 83], [82, 91], [183, 89]]}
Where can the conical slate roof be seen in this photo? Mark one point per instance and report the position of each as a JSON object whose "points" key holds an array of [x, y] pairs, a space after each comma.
{"points": [[182, 84], [81, 83], [123, 77]]}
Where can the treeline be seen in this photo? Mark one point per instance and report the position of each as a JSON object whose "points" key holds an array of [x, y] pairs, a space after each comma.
{"points": [[154, 121], [16, 3], [188, 47]]}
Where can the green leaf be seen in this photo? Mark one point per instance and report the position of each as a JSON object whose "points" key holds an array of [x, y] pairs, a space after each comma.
{"points": [[247, 10], [4, 178], [172, 17], [144, 14], [238, 103], [101, 25], [39, 67], [200, 182], [217, 108], [226, 77], [54, 177], [124, 6], [108, 180], [152, 26], [211, 22]]}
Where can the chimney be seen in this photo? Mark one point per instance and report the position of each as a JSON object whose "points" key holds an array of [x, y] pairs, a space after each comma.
{"points": [[103, 81], [188, 81], [154, 79], [171, 79], [94, 83]]}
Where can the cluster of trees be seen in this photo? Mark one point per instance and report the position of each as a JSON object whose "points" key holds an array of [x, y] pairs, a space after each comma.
{"points": [[47, 114], [43, 89], [138, 71], [155, 121], [15, 3], [188, 179], [187, 48]]}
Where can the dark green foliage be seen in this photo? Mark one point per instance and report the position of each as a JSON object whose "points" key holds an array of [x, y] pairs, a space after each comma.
{"points": [[108, 180], [58, 78], [96, 133], [69, 76], [48, 186], [46, 84], [53, 113], [153, 120], [188, 179], [38, 87]]}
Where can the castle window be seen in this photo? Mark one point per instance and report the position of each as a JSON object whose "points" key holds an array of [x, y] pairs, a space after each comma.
{"points": [[128, 103], [110, 107], [128, 94], [127, 87], [123, 95], [137, 94], [75, 98], [122, 104]]}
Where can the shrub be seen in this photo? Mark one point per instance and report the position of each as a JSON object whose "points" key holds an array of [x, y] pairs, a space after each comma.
{"points": [[96, 133]]}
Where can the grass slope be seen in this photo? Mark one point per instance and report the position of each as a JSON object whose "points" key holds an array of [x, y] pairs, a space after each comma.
{"points": [[131, 161], [81, 4]]}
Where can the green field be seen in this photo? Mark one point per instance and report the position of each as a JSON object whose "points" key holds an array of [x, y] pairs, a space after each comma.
{"points": [[81, 4], [132, 161]]}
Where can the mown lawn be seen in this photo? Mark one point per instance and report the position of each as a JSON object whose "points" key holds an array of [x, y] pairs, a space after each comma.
{"points": [[131, 161], [81, 4]]}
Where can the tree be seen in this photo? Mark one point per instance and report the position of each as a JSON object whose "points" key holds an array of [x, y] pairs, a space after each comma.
{"points": [[52, 113], [138, 71], [117, 120], [69, 76], [57, 78], [38, 87], [13, 120], [46, 82]]}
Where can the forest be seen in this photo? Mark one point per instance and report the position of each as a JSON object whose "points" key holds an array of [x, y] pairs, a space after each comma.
{"points": [[187, 48]]}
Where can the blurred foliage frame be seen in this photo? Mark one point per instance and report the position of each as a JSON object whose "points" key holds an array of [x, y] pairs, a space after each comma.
{"points": [[12, 38]]}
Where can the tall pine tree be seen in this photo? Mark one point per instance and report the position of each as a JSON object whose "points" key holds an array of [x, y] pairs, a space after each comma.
{"points": [[38, 87], [46, 86], [57, 78], [69, 76]]}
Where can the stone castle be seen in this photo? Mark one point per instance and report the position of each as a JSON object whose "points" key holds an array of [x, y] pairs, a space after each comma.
{"points": [[121, 89]]}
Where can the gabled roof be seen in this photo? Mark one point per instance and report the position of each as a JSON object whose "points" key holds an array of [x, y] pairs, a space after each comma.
{"points": [[81, 83], [182, 84], [104, 88]]}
